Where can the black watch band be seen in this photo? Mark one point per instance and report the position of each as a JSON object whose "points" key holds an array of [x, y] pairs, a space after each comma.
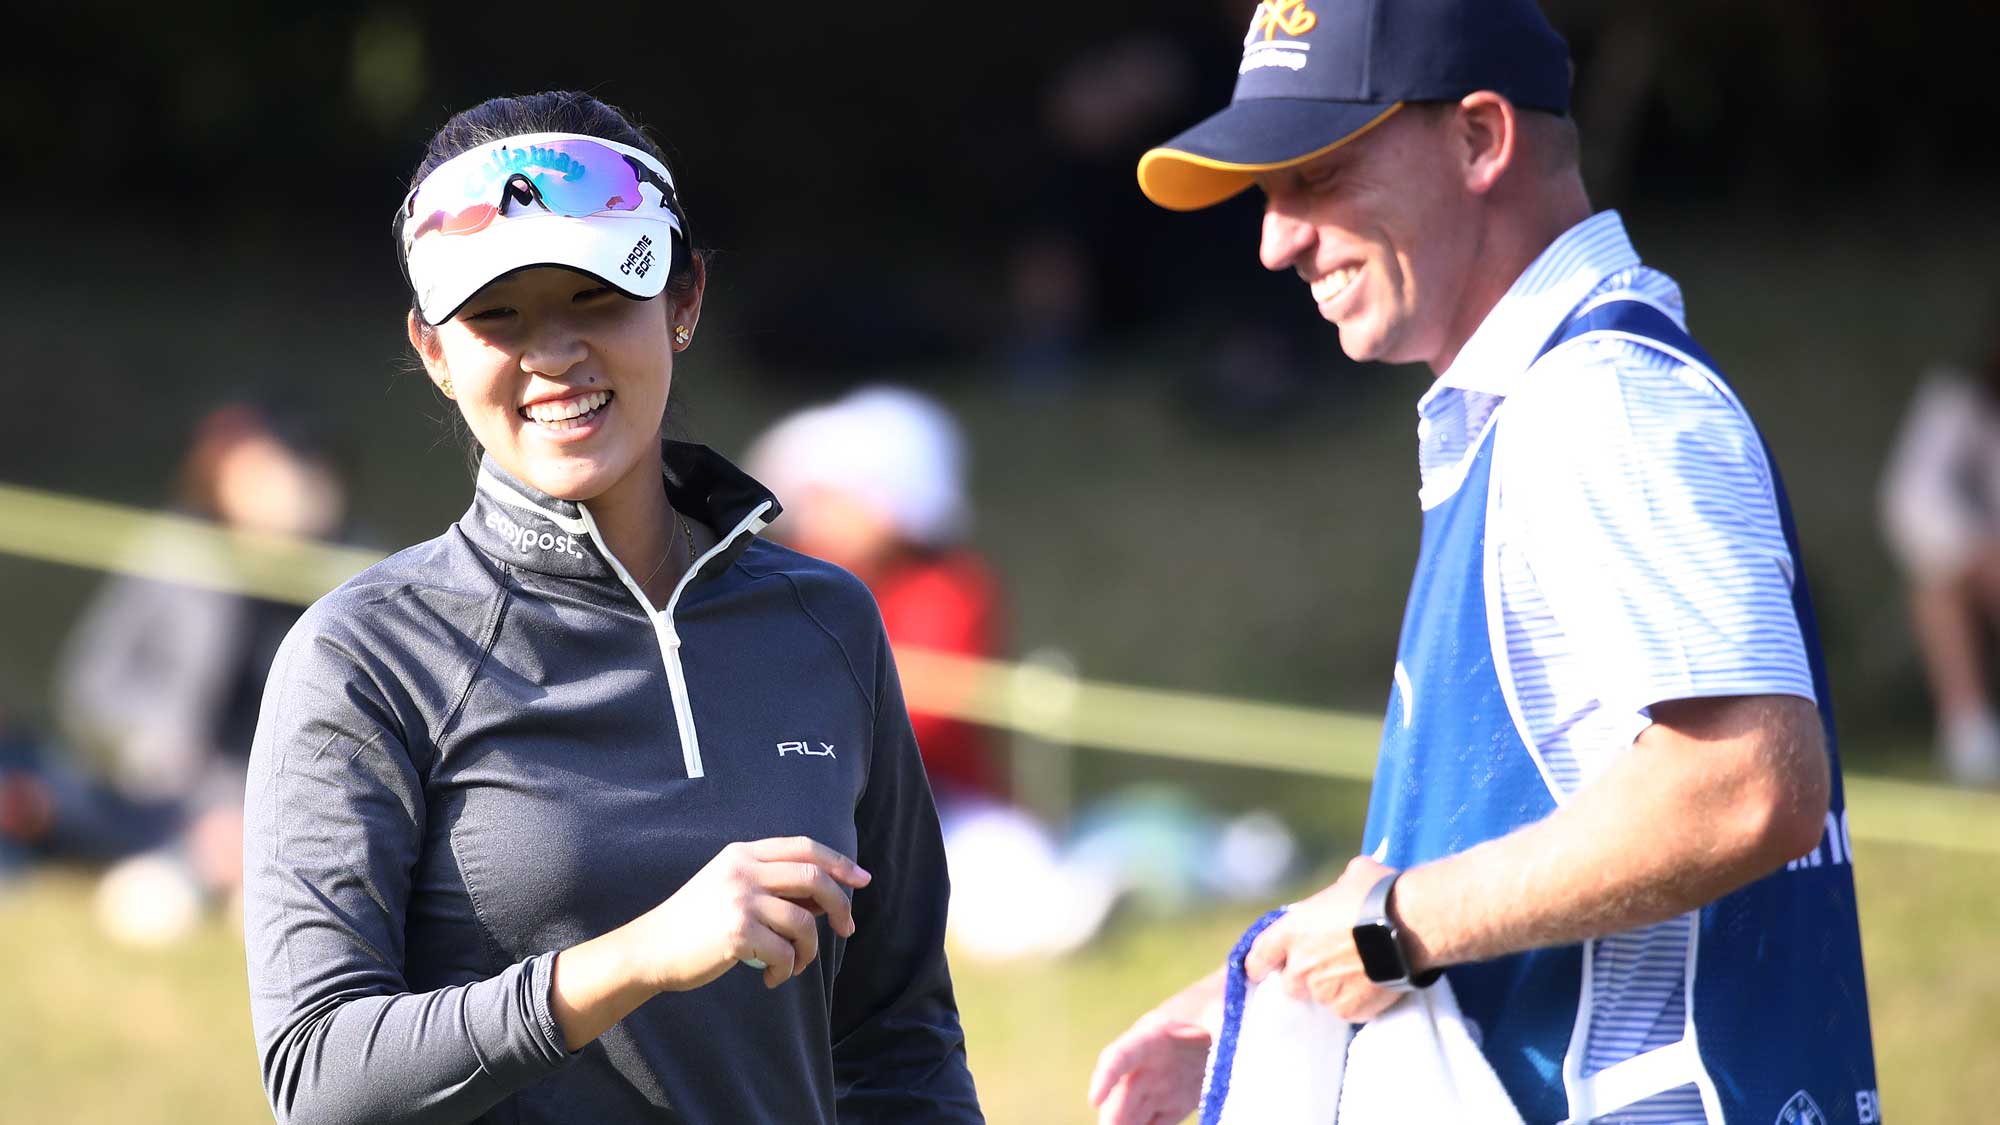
{"points": [[1379, 941]]}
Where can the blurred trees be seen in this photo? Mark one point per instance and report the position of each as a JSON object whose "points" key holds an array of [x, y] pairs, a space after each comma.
{"points": [[898, 174], [902, 119]]}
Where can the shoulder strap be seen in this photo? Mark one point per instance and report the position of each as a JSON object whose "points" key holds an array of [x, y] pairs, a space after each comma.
{"points": [[1628, 316], [1648, 324]]}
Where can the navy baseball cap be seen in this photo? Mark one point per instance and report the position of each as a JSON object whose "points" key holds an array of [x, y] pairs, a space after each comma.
{"points": [[1319, 73]]}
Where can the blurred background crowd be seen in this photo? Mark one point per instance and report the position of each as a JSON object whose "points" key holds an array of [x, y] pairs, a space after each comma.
{"points": [[1035, 414]]}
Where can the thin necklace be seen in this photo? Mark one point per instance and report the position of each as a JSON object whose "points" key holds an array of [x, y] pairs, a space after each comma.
{"points": [[687, 537]]}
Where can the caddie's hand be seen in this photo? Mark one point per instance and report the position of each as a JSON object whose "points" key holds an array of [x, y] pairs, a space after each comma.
{"points": [[758, 900], [1151, 1075], [1310, 951]]}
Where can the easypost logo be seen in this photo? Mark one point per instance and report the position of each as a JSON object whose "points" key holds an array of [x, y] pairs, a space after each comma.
{"points": [[1261, 44], [524, 539]]}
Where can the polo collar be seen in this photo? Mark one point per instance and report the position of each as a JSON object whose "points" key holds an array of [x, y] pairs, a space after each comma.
{"points": [[1506, 343], [528, 528]]}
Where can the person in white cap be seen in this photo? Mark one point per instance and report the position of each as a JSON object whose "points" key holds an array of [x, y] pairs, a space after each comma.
{"points": [[874, 483], [598, 806]]}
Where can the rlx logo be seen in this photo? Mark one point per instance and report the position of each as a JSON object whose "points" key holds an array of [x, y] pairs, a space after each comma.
{"points": [[825, 749]]}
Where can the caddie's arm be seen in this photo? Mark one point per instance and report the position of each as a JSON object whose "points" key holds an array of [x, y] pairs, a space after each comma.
{"points": [[1661, 552], [1713, 795]]}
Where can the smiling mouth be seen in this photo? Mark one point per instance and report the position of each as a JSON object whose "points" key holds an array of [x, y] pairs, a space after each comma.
{"points": [[1336, 283], [568, 413]]}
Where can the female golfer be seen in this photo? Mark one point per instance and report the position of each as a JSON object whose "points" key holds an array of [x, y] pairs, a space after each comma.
{"points": [[596, 807]]}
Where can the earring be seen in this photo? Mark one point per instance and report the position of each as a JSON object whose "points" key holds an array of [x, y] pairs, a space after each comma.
{"points": [[444, 385], [682, 334]]}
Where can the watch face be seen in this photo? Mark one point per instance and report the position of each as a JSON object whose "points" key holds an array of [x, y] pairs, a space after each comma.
{"points": [[1380, 958]]}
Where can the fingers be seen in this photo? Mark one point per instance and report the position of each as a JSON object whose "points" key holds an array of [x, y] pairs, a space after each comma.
{"points": [[804, 849], [1134, 1101], [780, 887], [1113, 1063], [1116, 1109], [796, 927], [760, 943], [810, 886], [1270, 951], [1368, 1005], [773, 949], [1129, 1102]]}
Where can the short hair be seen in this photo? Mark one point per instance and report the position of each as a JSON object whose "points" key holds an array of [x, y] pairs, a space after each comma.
{"points": [[1557, 146]]}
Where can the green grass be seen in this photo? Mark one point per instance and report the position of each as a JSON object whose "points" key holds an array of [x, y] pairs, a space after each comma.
{"points": [[1134, 532], [97, 1033]]}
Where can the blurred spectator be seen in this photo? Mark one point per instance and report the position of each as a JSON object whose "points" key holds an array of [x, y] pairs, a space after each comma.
{"points": [[874, 483], [1086, 266], [24, 810], [1941, 512], [158, 685], [1078, 267]]}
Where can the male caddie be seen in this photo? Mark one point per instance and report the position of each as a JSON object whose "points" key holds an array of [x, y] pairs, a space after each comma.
{"points": [[1608, 804]]}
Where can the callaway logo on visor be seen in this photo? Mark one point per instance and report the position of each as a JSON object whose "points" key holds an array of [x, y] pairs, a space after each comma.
{"points": [[538, 199], [561, 173]]}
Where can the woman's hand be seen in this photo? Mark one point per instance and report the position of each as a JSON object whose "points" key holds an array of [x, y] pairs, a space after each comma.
{"points": [[759, 900]]}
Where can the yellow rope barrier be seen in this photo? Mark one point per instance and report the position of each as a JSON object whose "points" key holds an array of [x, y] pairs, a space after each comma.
{"points": [[1048, 703]]}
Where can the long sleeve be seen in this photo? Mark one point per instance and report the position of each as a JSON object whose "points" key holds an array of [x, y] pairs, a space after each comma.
{"points": [[334, 827], [143, 676], [898, 1051]]}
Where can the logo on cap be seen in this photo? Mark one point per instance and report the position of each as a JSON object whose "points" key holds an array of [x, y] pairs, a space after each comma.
{"points": [[640, 259], [1261, 45], [530, 161]]}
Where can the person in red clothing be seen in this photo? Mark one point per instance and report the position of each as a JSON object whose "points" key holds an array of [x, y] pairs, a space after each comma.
{"points": [[945, 602], [874, 483]]}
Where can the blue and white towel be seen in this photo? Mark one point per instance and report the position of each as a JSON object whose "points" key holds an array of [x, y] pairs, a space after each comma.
{"points": [[1283, 1061]]}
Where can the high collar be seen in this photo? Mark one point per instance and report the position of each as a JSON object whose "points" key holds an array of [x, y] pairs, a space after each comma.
{"points": [[1506, 342], [528, 528]]}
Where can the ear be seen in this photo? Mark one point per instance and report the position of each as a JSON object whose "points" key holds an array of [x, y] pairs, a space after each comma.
{"points": [[424, 341], [687, 310], [1486, 132]]}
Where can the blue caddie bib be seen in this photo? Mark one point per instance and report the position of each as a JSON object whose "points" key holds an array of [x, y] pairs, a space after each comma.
{"points": [[1777, 1026]]}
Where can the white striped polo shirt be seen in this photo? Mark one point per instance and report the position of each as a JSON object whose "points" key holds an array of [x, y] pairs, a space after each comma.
{"points": [[1639, 558]]}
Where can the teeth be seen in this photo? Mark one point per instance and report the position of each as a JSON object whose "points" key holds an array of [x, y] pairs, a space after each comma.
{"points": [[567, 409], [1335, 283]]}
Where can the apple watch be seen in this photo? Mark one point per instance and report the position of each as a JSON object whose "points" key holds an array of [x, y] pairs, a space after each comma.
{"points": [[1379, 941]]}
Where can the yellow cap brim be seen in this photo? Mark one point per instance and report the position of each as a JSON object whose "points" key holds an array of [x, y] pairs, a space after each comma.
{"points": [[1189, 181]]}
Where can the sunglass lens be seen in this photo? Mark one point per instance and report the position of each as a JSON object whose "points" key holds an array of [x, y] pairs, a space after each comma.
{"points": [[582, 178], [470, 218], [569, 178]]}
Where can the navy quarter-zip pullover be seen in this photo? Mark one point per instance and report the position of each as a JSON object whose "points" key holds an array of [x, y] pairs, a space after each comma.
{"points": [[488, 748]]}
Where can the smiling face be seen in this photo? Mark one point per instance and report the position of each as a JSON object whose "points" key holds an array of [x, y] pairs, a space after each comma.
{"points": [[563, 380], [1386, 231]]}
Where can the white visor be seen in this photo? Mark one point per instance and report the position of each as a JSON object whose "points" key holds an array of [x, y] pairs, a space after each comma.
{"points": [[631, 251]]}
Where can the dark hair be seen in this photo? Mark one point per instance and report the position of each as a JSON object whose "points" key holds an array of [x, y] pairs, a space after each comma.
{"points": [[556, 111], [228, 425]]}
